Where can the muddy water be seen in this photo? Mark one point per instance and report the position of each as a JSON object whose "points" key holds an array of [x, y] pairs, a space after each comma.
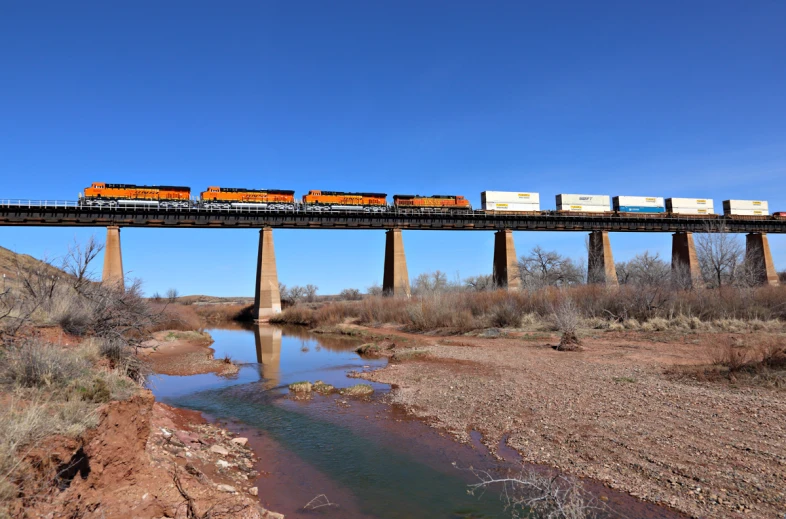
{"points": [[370, 461]]}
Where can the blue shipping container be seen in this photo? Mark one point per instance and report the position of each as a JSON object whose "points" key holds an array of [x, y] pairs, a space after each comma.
{"points": [[639, 209]]}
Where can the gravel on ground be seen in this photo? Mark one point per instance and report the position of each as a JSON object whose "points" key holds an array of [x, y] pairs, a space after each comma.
{"points": [[609, 412]]}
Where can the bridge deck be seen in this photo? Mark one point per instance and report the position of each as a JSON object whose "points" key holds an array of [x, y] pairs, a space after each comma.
{"points": [[70, 214]]}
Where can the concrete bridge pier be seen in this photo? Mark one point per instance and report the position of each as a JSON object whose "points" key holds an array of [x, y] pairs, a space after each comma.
{"points": [[759, 257], [113, 259], [600, 260], [684, 261], [267, 299], [395, 281], [506, 263]]}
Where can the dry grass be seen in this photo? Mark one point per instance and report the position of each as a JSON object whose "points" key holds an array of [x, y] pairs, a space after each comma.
{"points": [[603, 308], [39, 364], [175, 317], [300, 387], [224, 313], [357, 390], [758, 360]]}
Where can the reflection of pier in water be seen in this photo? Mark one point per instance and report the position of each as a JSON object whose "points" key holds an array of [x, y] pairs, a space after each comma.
{"points": [[268, 343]]}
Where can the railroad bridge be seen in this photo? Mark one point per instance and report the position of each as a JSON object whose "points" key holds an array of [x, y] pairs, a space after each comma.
{"points": [[393, 221]]}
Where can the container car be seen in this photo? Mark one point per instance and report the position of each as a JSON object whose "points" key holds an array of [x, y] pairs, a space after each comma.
{"points": [[510, 201], [341, 201], [583, 203], [638, 204], [228, 197], [112, 195], [690, 206], [746, 207], [431, 203]]}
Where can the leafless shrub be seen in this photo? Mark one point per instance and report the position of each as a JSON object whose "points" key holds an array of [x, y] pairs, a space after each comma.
{"points": [[33, 363], [350, 294], [729, 353], [532, 494], [567, 318], [123, 358], [506, 314]]}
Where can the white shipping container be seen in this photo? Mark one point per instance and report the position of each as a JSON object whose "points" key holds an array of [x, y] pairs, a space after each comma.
{"points": [[510, 207], [759, 205], [684, 203], [583, 200], [692, 210], [639, 201], [747, 212], [583, 208], [516, 197]]}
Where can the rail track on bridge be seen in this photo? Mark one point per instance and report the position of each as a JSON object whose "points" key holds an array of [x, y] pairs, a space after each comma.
{"points": [[45, 213]]}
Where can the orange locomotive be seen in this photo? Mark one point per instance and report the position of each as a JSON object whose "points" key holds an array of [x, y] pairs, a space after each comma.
{"points": [[229, 197], [102, 194], [337, 200], [432, 203]]}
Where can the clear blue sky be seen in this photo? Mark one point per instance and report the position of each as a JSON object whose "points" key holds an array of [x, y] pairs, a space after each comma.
{"points": [[643, 98]]}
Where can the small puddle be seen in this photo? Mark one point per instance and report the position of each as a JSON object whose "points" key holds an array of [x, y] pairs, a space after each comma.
{"points": [[370, 460]]}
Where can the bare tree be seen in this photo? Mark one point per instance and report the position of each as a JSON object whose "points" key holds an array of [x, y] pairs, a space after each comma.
{"points": [[172, 295], [431, 282], [374, 290], [78, 260], [542, 268], [296, 294], [480, 283], [643, 269], [720, 254], [311, 293], [350, 294]]}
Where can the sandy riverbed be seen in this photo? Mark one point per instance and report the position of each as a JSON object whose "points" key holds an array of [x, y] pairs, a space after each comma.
{"points": [[609, 412], [184, 353]]}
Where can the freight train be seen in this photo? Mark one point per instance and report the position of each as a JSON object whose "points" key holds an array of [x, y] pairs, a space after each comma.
{"points": [[100, 194]]}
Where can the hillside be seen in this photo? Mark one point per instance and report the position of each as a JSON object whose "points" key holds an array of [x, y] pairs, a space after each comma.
{"points": [[10, 261]]}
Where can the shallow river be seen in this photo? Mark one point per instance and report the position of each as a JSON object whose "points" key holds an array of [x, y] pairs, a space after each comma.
{"points": [[370, 461]]}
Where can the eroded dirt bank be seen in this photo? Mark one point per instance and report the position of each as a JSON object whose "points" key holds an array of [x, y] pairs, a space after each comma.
{"points": [[609, 412], [145, 460]]}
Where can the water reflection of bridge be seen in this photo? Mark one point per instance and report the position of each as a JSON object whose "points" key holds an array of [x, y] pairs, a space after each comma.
{"points": [[268, 341], [268, 344]]}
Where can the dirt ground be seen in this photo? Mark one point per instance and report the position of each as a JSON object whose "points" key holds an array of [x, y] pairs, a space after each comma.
{"points": [[146, 460], [609, 412], [184, 353]]}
